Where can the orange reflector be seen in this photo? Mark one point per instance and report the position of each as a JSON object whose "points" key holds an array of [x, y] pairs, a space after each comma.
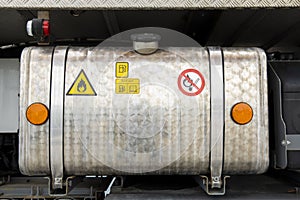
{"points": [[241, 113], [37, 113]]}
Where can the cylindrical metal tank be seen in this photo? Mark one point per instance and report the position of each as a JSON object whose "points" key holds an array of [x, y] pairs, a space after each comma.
{"points": [[115, 111]]}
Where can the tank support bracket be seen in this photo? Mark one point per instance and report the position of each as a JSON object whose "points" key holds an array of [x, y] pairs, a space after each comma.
{"points": [[206, 185]]}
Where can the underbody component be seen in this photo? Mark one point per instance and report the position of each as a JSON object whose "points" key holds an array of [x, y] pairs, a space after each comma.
{"points": [[126, 113], [284, 92]]}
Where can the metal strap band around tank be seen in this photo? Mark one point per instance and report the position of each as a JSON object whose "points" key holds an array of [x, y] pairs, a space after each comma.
{"points": [[57, 116], [217, 116]]}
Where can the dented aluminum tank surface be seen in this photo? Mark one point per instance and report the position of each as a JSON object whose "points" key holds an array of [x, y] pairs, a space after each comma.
{"points": [[115, 111]]}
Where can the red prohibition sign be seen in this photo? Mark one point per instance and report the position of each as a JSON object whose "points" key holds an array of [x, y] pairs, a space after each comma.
{"points": [[191, 84]]}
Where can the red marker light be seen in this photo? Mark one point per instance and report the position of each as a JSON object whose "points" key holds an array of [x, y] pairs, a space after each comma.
{"points": [[38, 28], [46, 29]]}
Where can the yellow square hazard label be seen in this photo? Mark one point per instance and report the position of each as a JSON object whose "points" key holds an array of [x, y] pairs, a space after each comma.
{"points": [[122, 69], [127, 86]]}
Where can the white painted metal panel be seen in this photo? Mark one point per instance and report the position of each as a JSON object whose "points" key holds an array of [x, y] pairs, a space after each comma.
{"points": [[9, 90]]}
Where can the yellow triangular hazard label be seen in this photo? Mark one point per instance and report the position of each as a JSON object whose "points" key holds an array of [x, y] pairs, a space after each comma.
{"points": [[82, 86]]}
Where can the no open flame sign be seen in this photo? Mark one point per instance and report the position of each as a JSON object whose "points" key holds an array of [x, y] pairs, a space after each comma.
{"points": [[191, 82]]}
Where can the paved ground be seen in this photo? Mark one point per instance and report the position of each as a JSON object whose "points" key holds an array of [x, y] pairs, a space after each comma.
{"points": [[238, 187]]}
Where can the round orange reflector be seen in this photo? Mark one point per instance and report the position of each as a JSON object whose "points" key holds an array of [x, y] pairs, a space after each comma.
{"points": [[241, 113], [37, 113]]}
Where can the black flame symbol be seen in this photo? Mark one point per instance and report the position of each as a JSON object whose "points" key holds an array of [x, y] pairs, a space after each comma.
{"points": [[81, 87]]}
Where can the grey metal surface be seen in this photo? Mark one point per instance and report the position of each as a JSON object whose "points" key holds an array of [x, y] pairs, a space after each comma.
{"points": [[246, 147], [34, 87], [293, 142], [159, 131], [279, 124], [216, 116], [101, 134], [9, 90], [155, 4], [57, 116]]}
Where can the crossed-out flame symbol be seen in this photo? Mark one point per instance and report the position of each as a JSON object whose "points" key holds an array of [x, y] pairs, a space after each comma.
{"points": [[81, 87]]}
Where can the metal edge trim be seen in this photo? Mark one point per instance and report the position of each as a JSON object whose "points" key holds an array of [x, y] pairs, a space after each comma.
{"points": [[155, 4]]}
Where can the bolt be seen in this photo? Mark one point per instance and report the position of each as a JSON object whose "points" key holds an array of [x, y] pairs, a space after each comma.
{"points": [[216, 179], [285, 142]]}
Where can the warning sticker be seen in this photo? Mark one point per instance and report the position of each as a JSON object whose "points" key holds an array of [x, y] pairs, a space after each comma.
{"points": [[191, 82], [122, 69], [127, 86], [82, 86]]}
